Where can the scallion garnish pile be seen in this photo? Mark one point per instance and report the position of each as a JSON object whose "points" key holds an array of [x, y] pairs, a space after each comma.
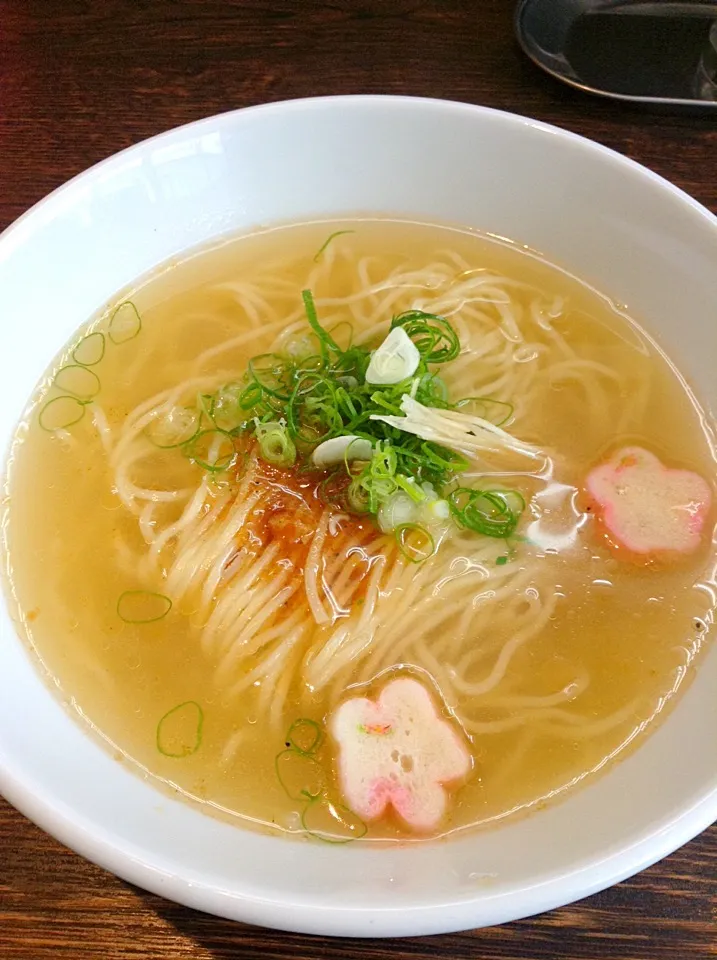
{"points": [[319, 406]]}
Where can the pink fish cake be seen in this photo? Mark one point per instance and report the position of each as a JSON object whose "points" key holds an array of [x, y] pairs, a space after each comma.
{"points": [[397, 753], [646, 508]]}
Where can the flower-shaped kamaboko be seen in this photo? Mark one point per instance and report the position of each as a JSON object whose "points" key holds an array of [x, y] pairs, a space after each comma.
{"points": [[646, 507], [398, 751]]}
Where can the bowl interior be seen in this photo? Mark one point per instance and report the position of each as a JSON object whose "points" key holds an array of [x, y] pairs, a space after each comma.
{"points": [[606, 220]]}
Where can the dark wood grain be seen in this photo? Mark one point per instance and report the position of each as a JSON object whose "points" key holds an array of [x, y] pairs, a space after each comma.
{"points": [[81, 79]]}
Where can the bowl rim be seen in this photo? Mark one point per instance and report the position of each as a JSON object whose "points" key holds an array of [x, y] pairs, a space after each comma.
{"points": [[300, 103], [92, 841]]}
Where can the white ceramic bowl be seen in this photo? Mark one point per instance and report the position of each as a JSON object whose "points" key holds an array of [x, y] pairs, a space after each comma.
{"points": [[607, 220]]}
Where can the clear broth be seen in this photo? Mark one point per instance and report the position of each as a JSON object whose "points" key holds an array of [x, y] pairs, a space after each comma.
{"points": [[635, 631]]}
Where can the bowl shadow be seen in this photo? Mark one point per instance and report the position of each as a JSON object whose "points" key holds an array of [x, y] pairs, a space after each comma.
{"points": [[668, 910]]}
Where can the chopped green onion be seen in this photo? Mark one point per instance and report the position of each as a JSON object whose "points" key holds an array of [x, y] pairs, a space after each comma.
{"points": [[180, 731], [332, 822], [432, 391], [332, 490], [251, 396], [61, 413], [301, 349], [496, 412], [304, 780], [326, 341], [174, 427], [443, 458], [305, 736], [332, 236], [409, 486], [384, 461], [493, 513], [90, 349], [77, 381], [270, 371], [378, 477], [389, 402], [205, 402], [311, 363], [226, 410], [341, 325], [275, 444], [142, 606], [433, 336], [415, 542], [311, 413], [212, 450], [125, 323], [300, 774], [345, 403], [501, 561], [357, 497]]}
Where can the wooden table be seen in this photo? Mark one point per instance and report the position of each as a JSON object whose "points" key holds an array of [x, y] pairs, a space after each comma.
{"points": [[81, 79]]}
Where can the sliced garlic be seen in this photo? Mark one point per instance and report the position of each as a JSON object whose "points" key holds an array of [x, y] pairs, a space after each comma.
{"points": [[395, 360], [338, 449]]}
